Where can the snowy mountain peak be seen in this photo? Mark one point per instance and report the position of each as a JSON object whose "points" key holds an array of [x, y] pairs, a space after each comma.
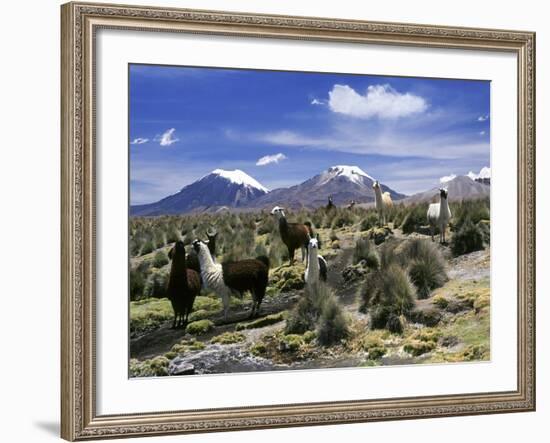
{"points": [[485, 173], [353, 173], [240, 178]]}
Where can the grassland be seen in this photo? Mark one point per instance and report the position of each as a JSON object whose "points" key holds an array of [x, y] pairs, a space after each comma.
{"points": [[430, 308]]}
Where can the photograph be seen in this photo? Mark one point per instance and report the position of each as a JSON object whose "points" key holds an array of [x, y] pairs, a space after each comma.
{"points": [[285, 220]]}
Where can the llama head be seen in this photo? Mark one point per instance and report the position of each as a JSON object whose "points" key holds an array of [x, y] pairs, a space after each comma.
{"points": [[330, 198], [313, 243], [178, 250], [376, 185], [211, 233], [278, 212], [443, 193], [198, 245]]}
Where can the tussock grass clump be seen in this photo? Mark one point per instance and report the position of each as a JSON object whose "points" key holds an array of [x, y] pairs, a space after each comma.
{"points": [[413, 219], [319, 311], [369, 221], [156, 285], [469, 238], [160, 259], [332, 325], [137, 284], [387, 295], [365, 250], [425, 265], [155, 367]]}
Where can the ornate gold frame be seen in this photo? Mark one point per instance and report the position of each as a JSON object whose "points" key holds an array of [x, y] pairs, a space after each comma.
{"points": [[79, 23]]}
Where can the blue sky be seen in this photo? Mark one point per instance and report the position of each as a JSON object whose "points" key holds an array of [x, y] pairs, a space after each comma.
{"points": [[285, 127]]}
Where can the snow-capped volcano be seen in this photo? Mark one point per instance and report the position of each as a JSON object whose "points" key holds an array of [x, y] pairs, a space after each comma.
{"points": [[484, 174], [240, 178], [353, 173], [343, 183], [219, 188]]}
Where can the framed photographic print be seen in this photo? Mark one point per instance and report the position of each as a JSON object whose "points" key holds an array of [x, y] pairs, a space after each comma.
{"points": [[282, 221]]}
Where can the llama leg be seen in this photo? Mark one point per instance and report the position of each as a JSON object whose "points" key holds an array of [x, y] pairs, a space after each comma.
{"points": [[304, 256], [225, 299], [291, 256]]}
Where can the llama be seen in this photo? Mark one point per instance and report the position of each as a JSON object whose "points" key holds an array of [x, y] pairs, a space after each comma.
{"points": [[184, 285], [330, 205], [234, 277], [439, 215], [351, 204], [383, 201], [294, 235], [316, 268]]}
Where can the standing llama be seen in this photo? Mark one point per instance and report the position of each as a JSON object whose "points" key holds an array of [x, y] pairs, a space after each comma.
{"points": [[316, 269], [294, 235], [234, 277], [330, 205], [439, 215], [383, 202], [183, 286]]}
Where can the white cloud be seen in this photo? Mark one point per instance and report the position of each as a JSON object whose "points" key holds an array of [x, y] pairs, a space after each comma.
{"points": [[167, 138], [481, 132], [447, 178], [317, 102], [380, 101], [483, 118], [390, 144], [139, 141], [268, 159]]}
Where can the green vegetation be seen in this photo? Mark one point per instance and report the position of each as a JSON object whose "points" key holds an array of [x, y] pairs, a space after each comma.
{"points": [[319, 311], [228, 338], [149, 314], [469, 238], [200, 327]]}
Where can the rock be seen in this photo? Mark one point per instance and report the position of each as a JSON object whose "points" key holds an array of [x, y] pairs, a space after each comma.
{"points": [[179, 366], [354, 272]]}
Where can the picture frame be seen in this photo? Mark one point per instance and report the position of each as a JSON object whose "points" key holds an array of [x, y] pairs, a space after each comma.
{"points": [[80, 24]]}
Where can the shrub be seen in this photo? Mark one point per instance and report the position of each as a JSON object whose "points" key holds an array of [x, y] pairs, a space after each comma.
{"points": [[200, 327], [319, 310], [415, 218], [303, 317], [147, 247], [156, 285], [365, 250], [387, 293], [394, 324], [370, 221], [425, 264], [343, 217], [469, 238], [333, 324], [137, 284], [160, 259]]}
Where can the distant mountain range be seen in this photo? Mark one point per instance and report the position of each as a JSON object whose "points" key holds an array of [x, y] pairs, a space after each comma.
{"points": [[461, 187], [219, 188], [223, 189], [342, 183]]}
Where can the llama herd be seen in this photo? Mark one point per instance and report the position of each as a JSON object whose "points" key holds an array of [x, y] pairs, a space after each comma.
{"points": [[198, 269]]}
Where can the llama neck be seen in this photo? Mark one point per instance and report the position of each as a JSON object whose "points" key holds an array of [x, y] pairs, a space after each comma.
{"points": [[313, 262], [178, 271], [444, 207], [283, 224], [378, 195], [205, 259]]}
